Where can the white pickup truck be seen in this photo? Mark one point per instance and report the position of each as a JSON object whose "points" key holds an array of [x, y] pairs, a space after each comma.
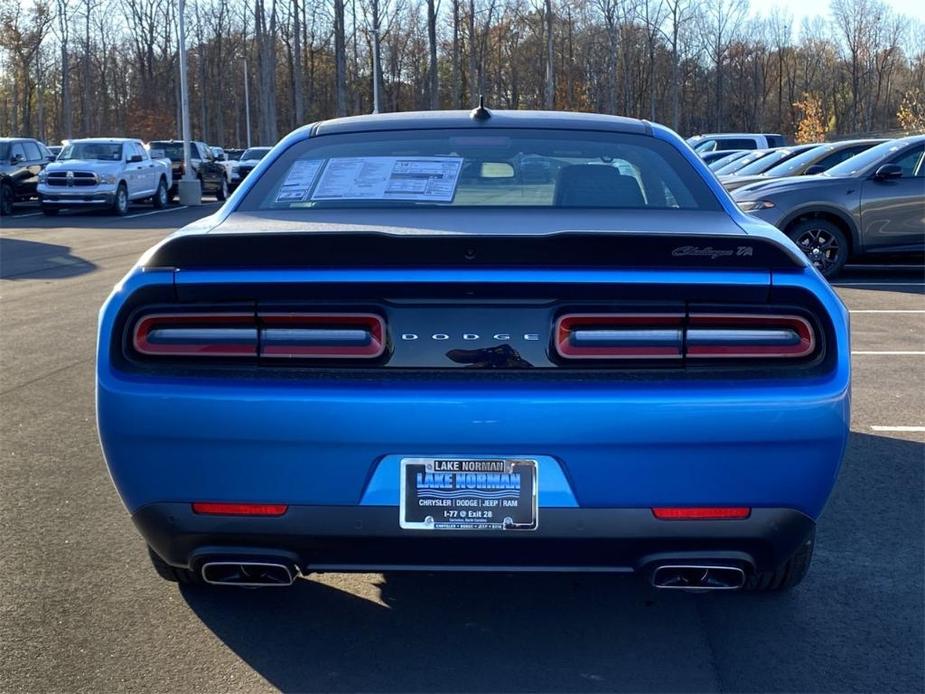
{"points": [[106, 173]]}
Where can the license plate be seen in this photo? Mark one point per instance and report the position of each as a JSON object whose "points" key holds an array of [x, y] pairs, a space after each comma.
{"points": [[461, 494]]}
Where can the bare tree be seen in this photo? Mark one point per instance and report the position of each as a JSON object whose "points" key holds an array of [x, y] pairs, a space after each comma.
{"points": [[549, 99], [62, 29], [722, 21], [265, 29], [340, 59], [432, 8], [298, 86]]}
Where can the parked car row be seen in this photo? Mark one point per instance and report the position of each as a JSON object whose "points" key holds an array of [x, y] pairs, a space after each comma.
{"points": [[835, 200], [111, 173]]}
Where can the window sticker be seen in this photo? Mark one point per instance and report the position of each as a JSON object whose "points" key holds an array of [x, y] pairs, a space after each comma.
{"points": [[299, 181], [426, 179]]}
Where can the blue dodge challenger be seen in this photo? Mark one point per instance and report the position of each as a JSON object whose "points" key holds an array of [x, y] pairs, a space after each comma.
{"points": [[486, 341]]}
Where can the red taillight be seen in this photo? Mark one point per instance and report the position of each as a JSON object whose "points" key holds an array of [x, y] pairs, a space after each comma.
{"points": [[265, 335], [620, 336], [701, 512], [196, 335], [224, 509], [322, 335], [733, 336]]}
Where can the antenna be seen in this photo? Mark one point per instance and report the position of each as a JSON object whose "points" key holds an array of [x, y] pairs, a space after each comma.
{"points": [[480, 112]]}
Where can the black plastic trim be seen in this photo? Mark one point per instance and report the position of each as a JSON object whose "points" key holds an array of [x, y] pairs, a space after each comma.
{"points": [[365, 537]]}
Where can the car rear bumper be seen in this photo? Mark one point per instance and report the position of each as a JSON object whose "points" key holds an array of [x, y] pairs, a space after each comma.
{"points": [[617, 445], [356, 538]]}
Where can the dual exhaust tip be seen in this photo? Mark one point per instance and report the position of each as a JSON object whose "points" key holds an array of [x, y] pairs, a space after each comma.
{"points": [[261, 574], [698, 577]]}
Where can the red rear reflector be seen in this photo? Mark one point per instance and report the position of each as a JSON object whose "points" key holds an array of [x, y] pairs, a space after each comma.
{"points": [[619, 336], [222, 509], [701, 512]]}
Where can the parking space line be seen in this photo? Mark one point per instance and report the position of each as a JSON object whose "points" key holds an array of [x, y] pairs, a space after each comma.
{"points": [[879, 428], [894, 354], [145, 214]]}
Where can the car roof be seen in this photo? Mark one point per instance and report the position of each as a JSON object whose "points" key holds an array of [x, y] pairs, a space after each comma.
{"points": [[107, 140], [910, 139], [179, 142], [851, 143], [18, 139], [705, 135], [464, 119]]}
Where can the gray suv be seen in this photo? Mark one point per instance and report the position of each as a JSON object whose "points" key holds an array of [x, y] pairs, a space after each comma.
{"points": [[873, 202]]}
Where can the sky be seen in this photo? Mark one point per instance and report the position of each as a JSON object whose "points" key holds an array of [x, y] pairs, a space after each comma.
{"points": [[810, 8]]}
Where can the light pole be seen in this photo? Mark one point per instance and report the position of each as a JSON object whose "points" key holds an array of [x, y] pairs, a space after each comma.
{"points": [[188, 186], [375, 69], [247, 106]]}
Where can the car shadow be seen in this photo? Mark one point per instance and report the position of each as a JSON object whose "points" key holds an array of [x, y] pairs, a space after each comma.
{"points": [[861, 603], [460, 632], [21, 259]]}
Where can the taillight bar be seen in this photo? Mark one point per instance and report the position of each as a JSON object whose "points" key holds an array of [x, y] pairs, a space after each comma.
{"points": [[322, 335], [734, 336], [196, 334], [620, 336], [271, 335]]}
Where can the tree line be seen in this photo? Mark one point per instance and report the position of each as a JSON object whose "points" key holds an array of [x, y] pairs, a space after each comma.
{"points": [[73, 68]]}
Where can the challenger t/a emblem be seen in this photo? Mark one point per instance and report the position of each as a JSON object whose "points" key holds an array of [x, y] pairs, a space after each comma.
{"points": [[710, 252]]}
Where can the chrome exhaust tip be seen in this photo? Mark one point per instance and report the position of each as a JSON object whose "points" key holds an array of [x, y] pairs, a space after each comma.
{"points": [[248, 574], [698, 577]]}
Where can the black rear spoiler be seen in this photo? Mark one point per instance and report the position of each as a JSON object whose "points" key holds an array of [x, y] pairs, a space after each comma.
{"points": [[566, 250]]}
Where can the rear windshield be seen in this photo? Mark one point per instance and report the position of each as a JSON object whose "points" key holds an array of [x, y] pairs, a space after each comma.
{"points": [[100, 151], [764, 163], [500, 168], [859, 162], [711, 144], [717, 164], [797, 163], [171, 150], [255, 153], [739, 164]]}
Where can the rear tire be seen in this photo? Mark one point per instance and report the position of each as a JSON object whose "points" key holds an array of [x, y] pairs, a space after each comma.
{"points": [[172, 573], [823, 242], [788, 575]]}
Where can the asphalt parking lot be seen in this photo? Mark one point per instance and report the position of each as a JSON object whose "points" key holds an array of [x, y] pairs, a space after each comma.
{"points": [[82, 610]]}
